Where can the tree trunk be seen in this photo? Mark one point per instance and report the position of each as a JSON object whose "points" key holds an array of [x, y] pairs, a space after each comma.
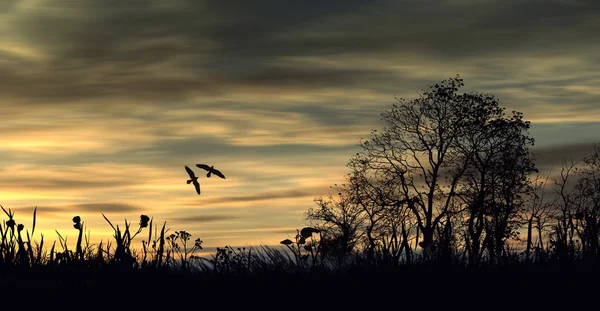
{"points": [[529, 236]]}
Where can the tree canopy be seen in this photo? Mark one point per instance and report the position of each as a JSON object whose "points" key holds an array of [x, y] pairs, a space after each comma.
{"points": [[445, 165]]}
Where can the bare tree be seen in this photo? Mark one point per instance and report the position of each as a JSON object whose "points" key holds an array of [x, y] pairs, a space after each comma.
{"points": [[441, 159], [381, 200], [397, 231], [537, 214], [563, 234], [415, 151], [340, 220], [587, 213], [429, 144]]}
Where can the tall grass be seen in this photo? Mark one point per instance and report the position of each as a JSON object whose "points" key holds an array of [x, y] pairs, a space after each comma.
{"points": [[165, 255]]}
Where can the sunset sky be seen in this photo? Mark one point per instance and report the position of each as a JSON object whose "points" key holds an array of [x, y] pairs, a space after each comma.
{"points": [[103, 102]]}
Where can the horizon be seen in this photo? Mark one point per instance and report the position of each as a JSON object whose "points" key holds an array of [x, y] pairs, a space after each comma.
{"points": [[104, 103]]}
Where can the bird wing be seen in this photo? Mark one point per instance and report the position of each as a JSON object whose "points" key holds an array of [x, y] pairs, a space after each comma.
{"points": [[203, 166], [190, 172], [197, 185], [218, 173]]}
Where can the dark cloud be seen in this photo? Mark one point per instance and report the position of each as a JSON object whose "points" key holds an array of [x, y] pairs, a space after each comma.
{"points": [[554, 156], [108, 48], [556, 135], [335, 112], [44, 183], [103, 48], [286, 232], [191, 148], [431, 27], [267, 195], [297, 79], [41, 210], [105, 208], [204, 218], [176, 151]]}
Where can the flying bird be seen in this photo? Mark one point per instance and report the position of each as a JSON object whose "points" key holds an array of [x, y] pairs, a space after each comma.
{"points": [[211, 170], [193, 179]]}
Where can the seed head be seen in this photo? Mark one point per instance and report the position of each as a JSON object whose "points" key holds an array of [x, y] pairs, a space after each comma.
{"points": [[144, 221]]}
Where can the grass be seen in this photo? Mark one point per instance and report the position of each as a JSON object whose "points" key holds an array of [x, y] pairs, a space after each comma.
{"points": [[167, 262]]}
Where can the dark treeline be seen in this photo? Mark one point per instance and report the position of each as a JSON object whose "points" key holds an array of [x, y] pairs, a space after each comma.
{"points": [[451, 178]]}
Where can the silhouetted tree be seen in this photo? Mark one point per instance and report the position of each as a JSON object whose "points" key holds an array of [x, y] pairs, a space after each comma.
{"points": [[340, 220], [444, 163], [562, 237], [362, 216], [481, 145], [586, 216], [398, 226], [376, 195], [497, 162], [537, 213], [428, 145], [509, 181], [416, 148]]}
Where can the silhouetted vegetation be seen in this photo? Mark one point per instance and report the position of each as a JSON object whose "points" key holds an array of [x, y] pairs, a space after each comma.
{"points": [[447, 188], [451, 180]]}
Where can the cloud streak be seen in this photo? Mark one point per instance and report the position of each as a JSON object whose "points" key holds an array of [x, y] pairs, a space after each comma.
{"points": [[282, 195], [105, 208], [203, 218], [200, 47]]}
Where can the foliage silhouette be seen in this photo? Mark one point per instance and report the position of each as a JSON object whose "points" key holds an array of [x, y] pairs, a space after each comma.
{"points": [[450, 180]]}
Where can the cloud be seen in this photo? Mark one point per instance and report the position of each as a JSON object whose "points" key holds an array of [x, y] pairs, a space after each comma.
{"points": [[50, 184], [107, 49], [275, 195], [46, 211], [564, 133], [91, 178], [104, 208], [203, 218], [137, 68], [98, 49], [553, 157]]}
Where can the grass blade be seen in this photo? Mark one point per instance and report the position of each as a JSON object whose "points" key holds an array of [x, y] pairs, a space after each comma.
{"points": [[34, 217], [109, 222]]}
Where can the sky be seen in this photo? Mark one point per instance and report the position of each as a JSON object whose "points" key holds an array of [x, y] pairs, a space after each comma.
{"points": [[103, 102]]}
